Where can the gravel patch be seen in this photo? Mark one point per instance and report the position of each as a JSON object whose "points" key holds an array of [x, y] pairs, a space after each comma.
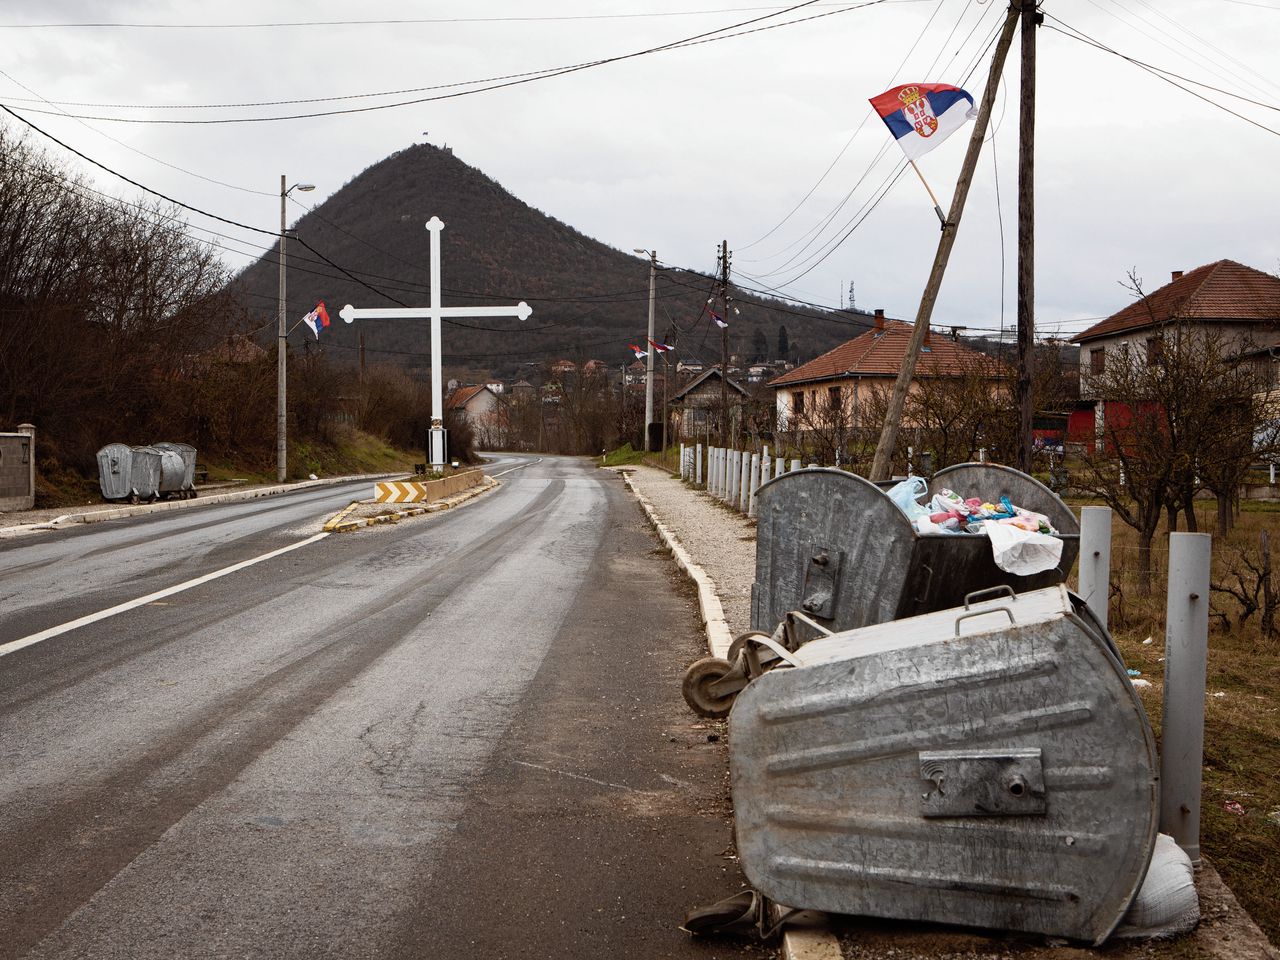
{"points": [[720, 540]]}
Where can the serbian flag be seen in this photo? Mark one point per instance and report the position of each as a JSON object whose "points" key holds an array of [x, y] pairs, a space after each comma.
{"points": [[718, 319], [661, 347], [317, 319], [640, 354], [922, 115]]}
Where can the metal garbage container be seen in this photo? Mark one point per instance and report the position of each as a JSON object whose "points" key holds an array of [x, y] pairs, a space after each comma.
{"points": [[115, 471], [144, 473], [188, 454], [835, 547], [989, 765]]}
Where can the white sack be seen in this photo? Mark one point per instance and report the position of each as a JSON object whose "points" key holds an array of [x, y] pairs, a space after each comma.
{"points": [[1167, 904], [1022, 552]]}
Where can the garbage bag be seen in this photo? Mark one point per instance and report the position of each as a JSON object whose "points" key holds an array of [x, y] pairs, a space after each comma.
{"points": [[1022, 552], [1166, 904]]}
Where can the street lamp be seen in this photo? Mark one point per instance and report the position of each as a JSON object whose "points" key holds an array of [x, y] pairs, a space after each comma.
{"points": [[648, 363], [282, 447]]}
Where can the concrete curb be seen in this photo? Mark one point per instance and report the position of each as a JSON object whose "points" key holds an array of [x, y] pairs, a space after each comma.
{"points": [[338, 524], [808, 942], [719, 637], [120, 513]]}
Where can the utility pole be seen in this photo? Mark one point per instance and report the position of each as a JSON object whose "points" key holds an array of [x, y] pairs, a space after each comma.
{"points": [[1031, 18], [282, 418], [724, 345], [882, 466], [648, 363], [362, 356]]}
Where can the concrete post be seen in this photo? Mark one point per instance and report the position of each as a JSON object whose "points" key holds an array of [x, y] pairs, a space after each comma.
{"points": [[735, 479], [713, 471], [744, 483], [766, 466], [30, 430], [779, 467], [795, 464], [1095, 560], [684, 466], [753, 485], [1186, 645], [697, 464]]}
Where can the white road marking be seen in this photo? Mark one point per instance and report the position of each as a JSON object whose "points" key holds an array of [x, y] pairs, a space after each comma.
{"points": [[520, 467], [15, 645]]}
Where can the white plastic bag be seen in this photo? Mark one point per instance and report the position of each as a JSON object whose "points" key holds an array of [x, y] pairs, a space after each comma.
{"points": [[1166, 904], [905, 495], [1022, 552]]}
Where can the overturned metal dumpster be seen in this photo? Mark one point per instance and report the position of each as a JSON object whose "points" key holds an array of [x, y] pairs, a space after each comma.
{"points": [[146, 472], [186, 486], [988, 765], [836, 548]]}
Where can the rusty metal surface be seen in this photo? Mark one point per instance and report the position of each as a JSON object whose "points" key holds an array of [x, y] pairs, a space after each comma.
{"points": [[878, 567], [831, 762]]}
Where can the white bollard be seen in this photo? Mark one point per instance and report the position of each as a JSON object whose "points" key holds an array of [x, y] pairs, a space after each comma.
{"points": [[1271, 468], [766, 466], [717, 476], [753, 485], [726, 491], [779, 467], [697, 464], [736, 500], [744, 482], [1095, 560], [795, 464], [681, 462], [711, 470], [1186, 645]]}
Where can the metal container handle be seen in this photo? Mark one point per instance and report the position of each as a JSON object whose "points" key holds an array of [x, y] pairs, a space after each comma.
{"points": [[983, 613], [1002, 590]]}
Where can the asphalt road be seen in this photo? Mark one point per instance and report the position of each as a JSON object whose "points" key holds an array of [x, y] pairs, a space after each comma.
{"points": [[457, 736]]}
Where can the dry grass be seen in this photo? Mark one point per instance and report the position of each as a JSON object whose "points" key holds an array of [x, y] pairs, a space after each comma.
{"points": [[1242, 707]]}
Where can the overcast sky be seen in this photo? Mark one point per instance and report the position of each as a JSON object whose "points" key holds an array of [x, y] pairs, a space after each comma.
{"points": [[679, 149]]}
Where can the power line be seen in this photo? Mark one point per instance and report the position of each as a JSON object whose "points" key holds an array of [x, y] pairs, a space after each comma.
{"points": [[695, 40]]}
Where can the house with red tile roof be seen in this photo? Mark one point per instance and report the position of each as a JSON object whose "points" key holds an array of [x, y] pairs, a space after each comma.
{"points": [[843, 379], [1235, 302], [1239, 302], [479, 402]]}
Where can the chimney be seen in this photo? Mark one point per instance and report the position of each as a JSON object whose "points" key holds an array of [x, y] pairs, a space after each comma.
{"points": [[1177, 274], [879, 318]]}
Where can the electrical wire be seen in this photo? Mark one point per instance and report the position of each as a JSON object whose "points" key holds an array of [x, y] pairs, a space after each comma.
{"points": [[696, 40]]}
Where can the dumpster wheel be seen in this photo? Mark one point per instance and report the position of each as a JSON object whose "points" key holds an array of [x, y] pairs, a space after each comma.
{"points": [[698, 679], [744, 913]]}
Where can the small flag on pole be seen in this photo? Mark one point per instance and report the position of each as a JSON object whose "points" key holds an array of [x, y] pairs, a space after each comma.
{"points": [[317, 319], [661, 347], [921, 115], [640, 354], [718, 319]]}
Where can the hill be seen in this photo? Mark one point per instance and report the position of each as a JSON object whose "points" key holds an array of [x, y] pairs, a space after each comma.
{"points": [[590, 300]]}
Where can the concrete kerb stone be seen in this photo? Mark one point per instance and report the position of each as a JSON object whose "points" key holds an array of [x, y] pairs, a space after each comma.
{"points": [[810, 941], [336, 523]]}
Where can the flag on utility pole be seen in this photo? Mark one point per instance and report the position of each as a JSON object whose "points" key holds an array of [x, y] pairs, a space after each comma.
{"points": [[719, 320], [317, 319], [640, 354], [660, 347], [921, 115]]}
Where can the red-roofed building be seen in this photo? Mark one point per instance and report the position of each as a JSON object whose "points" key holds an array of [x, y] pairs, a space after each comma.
{"points": [[841, 379], [1236, 302], [477, 402]]}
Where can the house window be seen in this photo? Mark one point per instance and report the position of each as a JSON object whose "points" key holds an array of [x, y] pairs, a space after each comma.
{"points": [[833, 397], [797, 403], [1098, 360], [1155, 351]]}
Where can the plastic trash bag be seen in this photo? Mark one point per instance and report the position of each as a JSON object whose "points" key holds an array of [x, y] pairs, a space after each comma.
{"points": [[1022, 552], [906, 495], [1166, 904]]}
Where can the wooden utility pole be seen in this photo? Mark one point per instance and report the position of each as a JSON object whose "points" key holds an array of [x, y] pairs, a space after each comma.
{"points": [[362, 356], [882, 466], [1031, 18], [724, 345]]}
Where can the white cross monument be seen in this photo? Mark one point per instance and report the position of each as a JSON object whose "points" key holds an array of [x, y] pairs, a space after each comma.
{"points": [[435, 313]]}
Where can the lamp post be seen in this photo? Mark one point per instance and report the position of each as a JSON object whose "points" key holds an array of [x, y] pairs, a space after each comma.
{"points": [[648, 363], [282, 446]]}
